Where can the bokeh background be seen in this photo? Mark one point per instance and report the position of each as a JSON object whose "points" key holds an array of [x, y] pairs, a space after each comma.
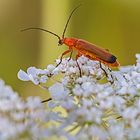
{"points": [[112, 24]]}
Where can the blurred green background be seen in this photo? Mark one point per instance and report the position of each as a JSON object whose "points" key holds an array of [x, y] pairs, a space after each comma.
{"points": [[111, 24]]}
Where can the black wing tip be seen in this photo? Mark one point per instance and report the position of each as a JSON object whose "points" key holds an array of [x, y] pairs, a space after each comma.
{"points": [[112, 59]]}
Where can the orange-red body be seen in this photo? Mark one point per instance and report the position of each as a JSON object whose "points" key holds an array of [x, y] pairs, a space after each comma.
{"points": [[83, 47], [91, 51]]}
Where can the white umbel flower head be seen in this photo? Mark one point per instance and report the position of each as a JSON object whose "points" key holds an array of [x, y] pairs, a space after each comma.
{"points": [[96, 102]]}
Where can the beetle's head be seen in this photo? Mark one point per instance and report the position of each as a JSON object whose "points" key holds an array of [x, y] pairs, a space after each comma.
{"points": [[60, 42]]}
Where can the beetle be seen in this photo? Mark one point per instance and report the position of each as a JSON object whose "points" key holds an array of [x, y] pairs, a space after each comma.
{"points": [[83, 47]]}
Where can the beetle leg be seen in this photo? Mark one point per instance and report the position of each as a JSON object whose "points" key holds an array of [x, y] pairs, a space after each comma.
{"points": [[103, 69], [111, 76], [70, 55], [64, 53], [78, 55], [106, 73]]}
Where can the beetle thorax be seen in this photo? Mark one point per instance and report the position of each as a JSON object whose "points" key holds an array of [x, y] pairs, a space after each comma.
{"points": [[70, 41]]}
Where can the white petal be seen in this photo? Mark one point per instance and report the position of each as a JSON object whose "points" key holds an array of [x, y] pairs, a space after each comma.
{"points": [[50, 67], [23, 76], [35, 80], [58, 92], [32, 70], [43, 79], [138, 56]]}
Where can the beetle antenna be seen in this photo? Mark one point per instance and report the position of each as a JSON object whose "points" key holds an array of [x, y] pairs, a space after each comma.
{"points": [[36, 28], [69, 19]]}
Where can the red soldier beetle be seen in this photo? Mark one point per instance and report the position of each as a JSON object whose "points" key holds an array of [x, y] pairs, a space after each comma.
{"points": [[83, 48]]}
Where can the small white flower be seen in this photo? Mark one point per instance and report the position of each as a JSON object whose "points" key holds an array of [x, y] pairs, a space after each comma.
{"points": [[88, 88], [58, 91], [68, 103], [43, 79], [34, 79], [87, 103], [97, 132], [130, 113], [77, 90], [117, 132], [33, 74], [23, 76], [50, 68], [52, 104]]}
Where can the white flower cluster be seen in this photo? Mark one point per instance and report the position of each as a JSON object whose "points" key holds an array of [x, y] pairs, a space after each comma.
{"points": [[19, 119], [100, 104]]}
